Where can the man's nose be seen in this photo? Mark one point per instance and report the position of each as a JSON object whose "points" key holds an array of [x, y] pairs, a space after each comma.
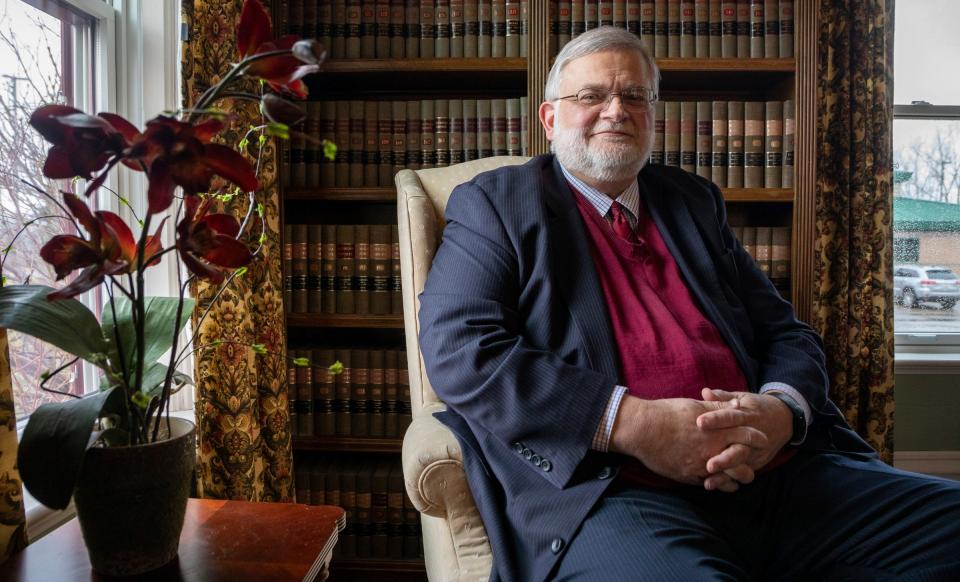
{"points": [[613, 109]]}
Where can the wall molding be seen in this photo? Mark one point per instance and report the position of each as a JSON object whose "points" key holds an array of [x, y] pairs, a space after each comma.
{"points": [[941, 463]]}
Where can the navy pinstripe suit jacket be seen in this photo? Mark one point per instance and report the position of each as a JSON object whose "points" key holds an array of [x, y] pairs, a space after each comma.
{"points": [[517, 341]]}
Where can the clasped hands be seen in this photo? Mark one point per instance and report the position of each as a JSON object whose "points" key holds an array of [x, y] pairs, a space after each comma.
{"points": [[719, 442]]}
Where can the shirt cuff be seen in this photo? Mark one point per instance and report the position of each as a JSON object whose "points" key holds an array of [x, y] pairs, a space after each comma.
{"points": [[792, 393], [601, 438]]}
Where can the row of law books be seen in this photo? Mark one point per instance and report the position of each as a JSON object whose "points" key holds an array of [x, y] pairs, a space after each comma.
{"points": [[396, 29], [381, 522], [369, 397], [770, 248], [342, 268], [376, 139], [686, 28], [735, 144]]}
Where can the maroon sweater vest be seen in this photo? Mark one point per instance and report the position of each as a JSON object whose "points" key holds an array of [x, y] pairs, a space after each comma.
{"points": [[667, 348]]}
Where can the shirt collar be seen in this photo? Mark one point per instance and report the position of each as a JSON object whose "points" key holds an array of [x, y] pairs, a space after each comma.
{"points": [[629, 198]]}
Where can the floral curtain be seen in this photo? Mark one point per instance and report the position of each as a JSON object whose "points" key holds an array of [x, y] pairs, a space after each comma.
{"points": [[243, 423], [853, 299], [13, 531]]}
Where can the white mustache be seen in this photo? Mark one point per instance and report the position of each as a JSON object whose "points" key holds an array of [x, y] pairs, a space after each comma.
{"points": [[620, 127]]}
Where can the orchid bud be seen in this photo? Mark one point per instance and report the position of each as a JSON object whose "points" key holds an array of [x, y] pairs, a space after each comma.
{"points": [[280, 110], [309, 51]]}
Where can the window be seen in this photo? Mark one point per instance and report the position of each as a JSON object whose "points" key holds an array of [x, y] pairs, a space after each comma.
{"points": [[926, 207], [96, 55], [51, 51]]}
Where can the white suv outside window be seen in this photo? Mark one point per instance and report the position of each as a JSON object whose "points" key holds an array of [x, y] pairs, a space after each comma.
{"points": [[916, 284]]}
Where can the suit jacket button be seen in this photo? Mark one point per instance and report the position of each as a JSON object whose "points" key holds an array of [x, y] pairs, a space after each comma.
{"points": [[545, 465], [556, 545], [536, 460], [518, 447], [605, 473], [527, 454]]}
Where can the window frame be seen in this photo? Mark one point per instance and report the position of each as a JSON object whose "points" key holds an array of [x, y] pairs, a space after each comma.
{"points": [[96, 90], [131, 37], [932, 352]]}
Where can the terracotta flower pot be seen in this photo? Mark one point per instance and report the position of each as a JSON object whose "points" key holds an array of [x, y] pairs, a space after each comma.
{"points": [[131, 501]]}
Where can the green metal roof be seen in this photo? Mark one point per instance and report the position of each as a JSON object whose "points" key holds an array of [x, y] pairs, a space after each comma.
{"points": [[925, 215]]}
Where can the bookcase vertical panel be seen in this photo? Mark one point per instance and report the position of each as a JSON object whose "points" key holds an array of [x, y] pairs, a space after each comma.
{"points": [[804, 218], [538, 66]]}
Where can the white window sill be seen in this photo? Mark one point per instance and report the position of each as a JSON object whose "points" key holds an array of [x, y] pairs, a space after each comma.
{"points": [[42, 520], [927, 362]]}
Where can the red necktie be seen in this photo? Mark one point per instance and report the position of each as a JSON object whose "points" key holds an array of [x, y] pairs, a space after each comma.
{"points": [[621, 224]]}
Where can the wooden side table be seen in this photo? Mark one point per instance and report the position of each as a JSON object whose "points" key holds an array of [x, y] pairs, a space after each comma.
{"points": [[232, 541]]}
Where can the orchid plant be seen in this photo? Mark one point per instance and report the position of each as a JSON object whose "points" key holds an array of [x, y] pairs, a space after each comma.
{"points": [[184, 169]]}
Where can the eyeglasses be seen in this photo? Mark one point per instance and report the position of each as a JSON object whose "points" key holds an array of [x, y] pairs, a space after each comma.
{"points": [[635, 98]]}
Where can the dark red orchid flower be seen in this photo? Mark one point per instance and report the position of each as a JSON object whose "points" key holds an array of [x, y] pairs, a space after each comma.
{"points": [[283, 72], [179, 153], [110, 250], [82, 144], [207, 242]]}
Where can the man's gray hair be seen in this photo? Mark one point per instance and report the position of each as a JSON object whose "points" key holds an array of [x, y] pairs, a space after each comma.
{"points": [[598, 40]]}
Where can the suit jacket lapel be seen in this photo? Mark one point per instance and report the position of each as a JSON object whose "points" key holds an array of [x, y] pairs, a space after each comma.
{"points": [[575, 272], [693, 259]]}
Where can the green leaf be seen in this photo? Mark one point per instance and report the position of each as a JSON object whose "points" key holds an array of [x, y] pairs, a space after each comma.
{"points": [[336, 368], [329, 150], [158, 330], [259, 349], [66, 323], [154, 376], [141, 400], [301, 362], [54, 443], [277, 129]]}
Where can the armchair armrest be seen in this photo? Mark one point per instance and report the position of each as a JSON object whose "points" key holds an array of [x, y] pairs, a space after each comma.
{"points": [[455, 541], [433, 466]]}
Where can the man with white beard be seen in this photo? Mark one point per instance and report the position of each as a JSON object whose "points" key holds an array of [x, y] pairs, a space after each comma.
{"points": [[633, 398]]}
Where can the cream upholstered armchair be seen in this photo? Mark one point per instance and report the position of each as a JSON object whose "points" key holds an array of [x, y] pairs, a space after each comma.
{"points": [[454, 540]]}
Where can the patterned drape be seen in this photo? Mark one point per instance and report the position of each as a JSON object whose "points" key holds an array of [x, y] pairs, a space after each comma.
{"points": [[13, 531], [853, 300], [243, 423]]}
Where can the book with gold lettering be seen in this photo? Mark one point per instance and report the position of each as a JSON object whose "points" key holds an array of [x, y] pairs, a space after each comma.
{"points": [[718, 165], [346, 302], [314, 268], [359, 392], [773, 145], [753, 143], [704, 139]]}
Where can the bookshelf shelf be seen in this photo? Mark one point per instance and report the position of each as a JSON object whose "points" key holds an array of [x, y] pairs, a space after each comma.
{"points": [[379, 565], [396, 78], [365, 569], [342, 194], [758, 194], [371, 66], [348, 444], [339, 320], [752, 66]]}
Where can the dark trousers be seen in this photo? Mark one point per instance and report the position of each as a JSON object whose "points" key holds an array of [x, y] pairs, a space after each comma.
{"points": [[821, 516]]}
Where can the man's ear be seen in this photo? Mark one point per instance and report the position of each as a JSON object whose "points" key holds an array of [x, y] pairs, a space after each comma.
{"points": [[548, 115]]}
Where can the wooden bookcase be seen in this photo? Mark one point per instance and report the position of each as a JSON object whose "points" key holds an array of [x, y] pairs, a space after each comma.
{"points": [[682, 79]]}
